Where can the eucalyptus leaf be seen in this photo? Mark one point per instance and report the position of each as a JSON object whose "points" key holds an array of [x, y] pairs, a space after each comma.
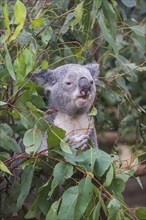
{"points": [[110, 15], [4, 168], [26, 181], [62, 171], [52, 213], [9, 64], [20, 16], [8, 143], [129, 3], [32, 140], [7, 22], [106, 32], [140, 213], [102, 163], [69, 200], [85, 192]]}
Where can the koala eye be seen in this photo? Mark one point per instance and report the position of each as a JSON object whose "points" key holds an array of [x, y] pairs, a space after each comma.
{"points": [[68, 83], [91, 82]]}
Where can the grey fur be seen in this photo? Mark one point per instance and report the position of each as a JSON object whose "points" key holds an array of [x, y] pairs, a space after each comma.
{"points": [[70, 89]]}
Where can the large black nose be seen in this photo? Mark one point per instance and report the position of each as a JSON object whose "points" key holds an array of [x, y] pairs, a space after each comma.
{"points": [[84, 86]]}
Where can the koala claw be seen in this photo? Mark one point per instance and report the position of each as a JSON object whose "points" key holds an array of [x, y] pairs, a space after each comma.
{"points": [[79, 141]]}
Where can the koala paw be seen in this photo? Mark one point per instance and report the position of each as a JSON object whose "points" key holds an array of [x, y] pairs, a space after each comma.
{"points": [[79, 141]]}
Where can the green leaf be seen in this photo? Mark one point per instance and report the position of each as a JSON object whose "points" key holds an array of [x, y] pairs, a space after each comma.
{"points": [[110, 15], [101, 200], [140, 213], [9, 64], [118, 184], [55, 135], [46, 35], [8, 143], [37, 22], [62, 171], [114, 203], [69, 199], [44, 64], [109, 176], [33, 210], [129, 3], [52, 213], [139, 30], [128, 68], [102, 163], [20, 16], [78, 12], [26, 180], [65, 147], [96, 212], [93, 112], [6, 22], [4, 168], [32, 139], [85, 191], [106, 32], [113, 209], [24, 63], [87, 158], [96, 5], [54, 184], [66, 24]]}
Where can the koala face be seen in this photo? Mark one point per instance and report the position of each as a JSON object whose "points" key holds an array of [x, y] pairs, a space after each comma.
{"points": [[70, 88]]}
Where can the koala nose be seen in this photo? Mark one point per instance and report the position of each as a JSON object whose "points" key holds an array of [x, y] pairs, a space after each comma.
{"points": [[84, 86]]}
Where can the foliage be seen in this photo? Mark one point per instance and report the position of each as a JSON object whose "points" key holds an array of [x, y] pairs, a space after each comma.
{"points": [[39, 34]]}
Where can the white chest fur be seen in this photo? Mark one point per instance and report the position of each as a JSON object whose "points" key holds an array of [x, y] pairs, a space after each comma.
{"points": [[71, 125]]}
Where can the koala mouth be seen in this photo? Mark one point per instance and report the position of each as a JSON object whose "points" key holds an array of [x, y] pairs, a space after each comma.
{"points": [[82, 101], [84, 97]]}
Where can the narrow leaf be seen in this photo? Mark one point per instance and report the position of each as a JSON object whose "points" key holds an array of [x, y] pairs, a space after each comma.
{"points": [[26, 180], [96, 212], [109, 176], [110, 15], [52, 213], [107, 35], [6, 21], [9, 64], [4, 168], [20, 16]]}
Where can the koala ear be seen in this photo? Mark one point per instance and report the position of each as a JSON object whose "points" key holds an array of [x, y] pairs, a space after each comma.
{"points": [[45, 78], [94, 69]]}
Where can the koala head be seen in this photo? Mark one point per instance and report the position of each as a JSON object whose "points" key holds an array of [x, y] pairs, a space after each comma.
{"points": [[70, 88]]}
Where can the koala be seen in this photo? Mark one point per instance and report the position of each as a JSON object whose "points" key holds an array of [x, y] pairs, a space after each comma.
{"points": [[70, 90]]}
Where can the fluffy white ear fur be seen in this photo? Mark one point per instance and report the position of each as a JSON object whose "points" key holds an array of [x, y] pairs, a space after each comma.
{"points": [[94, 69]]}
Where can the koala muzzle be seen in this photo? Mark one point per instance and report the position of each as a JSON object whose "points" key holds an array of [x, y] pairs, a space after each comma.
{"points": [[84, 86]]}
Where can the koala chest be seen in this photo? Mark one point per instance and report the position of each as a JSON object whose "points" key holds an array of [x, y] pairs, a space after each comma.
{"points": [[80, 124]]}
